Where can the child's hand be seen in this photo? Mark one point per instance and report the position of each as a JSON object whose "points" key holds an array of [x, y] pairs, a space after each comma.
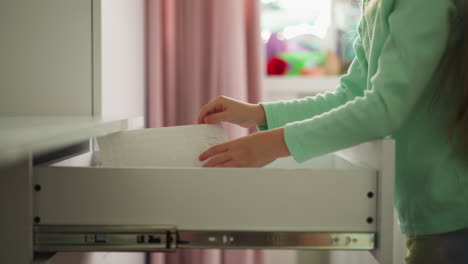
{"points": [[255, 150], [229, 110]]}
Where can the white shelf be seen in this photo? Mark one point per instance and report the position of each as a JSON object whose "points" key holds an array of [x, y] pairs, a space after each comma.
{"points": [[282, 88], [20, 136]]}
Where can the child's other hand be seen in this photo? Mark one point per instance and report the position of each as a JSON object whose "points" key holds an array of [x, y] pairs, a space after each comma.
{"points": [[255, 150], [225, 109]]}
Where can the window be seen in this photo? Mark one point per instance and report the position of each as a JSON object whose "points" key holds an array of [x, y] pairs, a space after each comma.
{"points": [[309, 37]]}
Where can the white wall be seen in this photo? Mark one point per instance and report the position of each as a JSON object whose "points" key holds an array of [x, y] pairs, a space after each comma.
{"points": [[287, 88], [123, 57]]}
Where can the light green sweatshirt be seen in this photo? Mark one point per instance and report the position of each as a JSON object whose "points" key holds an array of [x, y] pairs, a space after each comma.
{"points": [[388, 92]]}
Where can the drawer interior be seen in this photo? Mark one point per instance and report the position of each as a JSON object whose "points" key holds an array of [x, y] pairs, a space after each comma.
{"points": [[92, 158]]}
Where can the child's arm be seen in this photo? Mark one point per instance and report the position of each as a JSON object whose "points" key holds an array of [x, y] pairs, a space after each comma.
{"points": [[418, 34], [247, 115]]}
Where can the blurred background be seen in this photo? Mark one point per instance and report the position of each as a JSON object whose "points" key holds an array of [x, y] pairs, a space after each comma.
{"points": [[309, 37], [308, 45]]}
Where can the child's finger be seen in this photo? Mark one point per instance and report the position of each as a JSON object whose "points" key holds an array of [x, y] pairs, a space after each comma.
{"points": [[216, 160], [211, 107], [227, 164], [215, 118], [213, 151], [203, 112]]}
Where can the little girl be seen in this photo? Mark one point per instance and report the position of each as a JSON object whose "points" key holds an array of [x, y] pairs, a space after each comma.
{"points": [[408, 81]]}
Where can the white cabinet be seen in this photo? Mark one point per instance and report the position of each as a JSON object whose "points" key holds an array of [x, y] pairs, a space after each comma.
{"points": [[46, 53], [72, 57], [21, 138], [61, 58]]}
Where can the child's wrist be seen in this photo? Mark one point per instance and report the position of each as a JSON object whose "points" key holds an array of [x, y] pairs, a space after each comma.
{"points": [[282, 148], [259, 115], [277, 147]]}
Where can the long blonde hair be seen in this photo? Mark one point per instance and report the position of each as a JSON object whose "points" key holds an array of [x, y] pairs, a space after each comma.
{"points": [[454, 82]]}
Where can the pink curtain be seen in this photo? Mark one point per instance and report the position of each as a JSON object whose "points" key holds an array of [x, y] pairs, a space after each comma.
{"points": [[197, 50]]}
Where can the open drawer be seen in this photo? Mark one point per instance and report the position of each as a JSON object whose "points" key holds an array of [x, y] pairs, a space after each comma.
{"points": [[339, 201]]}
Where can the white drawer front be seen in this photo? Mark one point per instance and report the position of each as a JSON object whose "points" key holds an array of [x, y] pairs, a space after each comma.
{"points": [[310, 200]]}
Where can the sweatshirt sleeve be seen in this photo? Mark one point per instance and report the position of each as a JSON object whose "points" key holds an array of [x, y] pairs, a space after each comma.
{"points": [[418, 34], [352, 85]]}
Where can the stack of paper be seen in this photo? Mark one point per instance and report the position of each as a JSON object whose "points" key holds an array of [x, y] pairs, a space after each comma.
{"points": [[170, 146]]}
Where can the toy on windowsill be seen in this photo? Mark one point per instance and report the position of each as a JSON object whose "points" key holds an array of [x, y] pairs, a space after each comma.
{"points": [[277, 66], [275, 45], [304, 62]]}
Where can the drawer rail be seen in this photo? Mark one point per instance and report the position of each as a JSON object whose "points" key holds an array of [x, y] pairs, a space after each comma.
{"points": [[72, 238]]}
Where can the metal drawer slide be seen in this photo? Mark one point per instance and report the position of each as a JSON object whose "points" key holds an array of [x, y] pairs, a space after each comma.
{"points": [[56, 238], [70, 238]]}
